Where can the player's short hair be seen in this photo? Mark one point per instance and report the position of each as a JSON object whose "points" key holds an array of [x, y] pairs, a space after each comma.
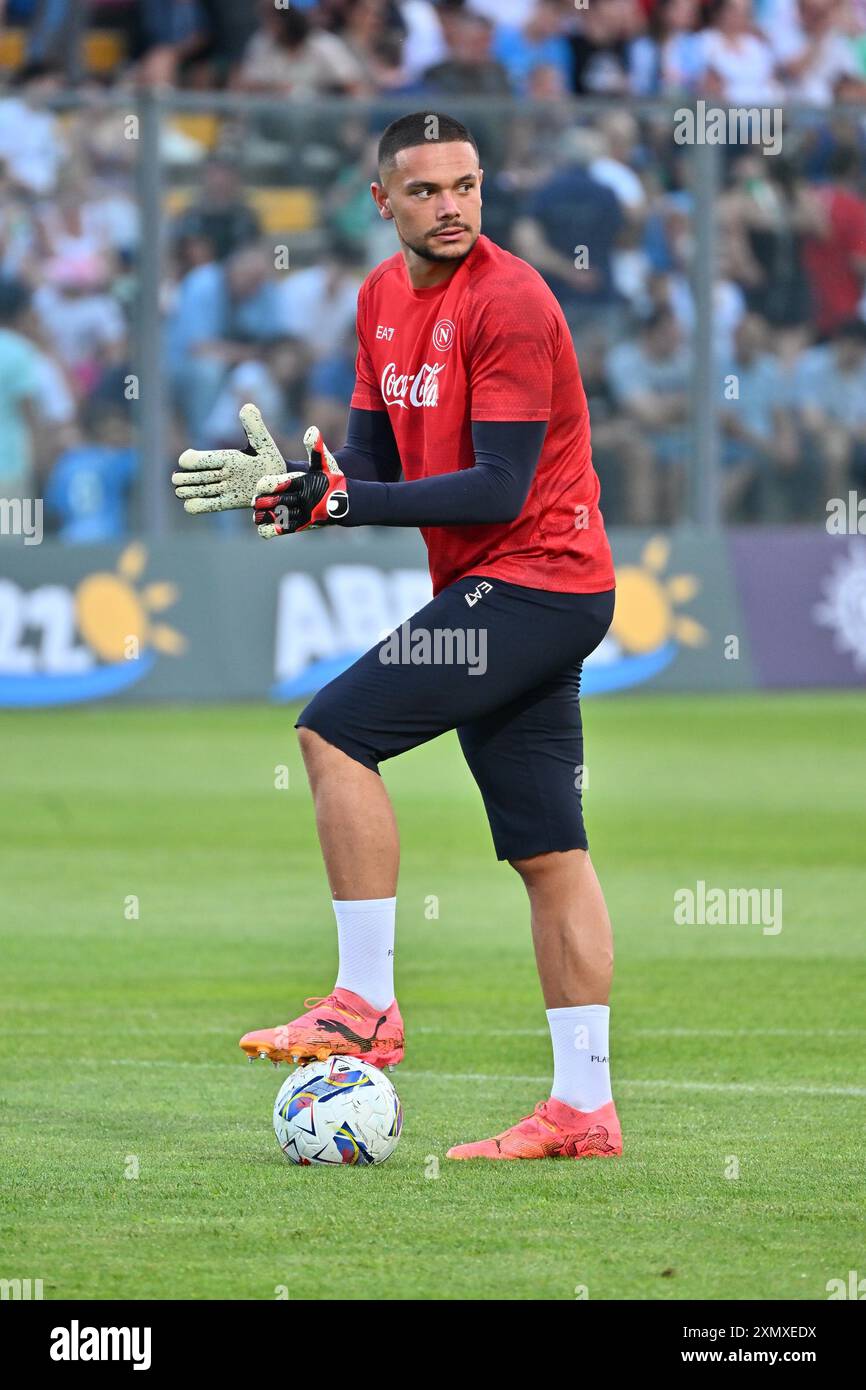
{"points": [[420, 128]]}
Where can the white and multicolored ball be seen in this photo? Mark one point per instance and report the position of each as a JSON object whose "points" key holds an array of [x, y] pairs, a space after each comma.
{"points": [[338, 1111]]}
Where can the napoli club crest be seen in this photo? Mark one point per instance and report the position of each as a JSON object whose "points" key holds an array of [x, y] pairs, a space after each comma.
{"points": [[443, 335]]}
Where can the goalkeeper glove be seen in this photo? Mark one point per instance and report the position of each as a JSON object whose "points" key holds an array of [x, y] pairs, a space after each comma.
{"points": [[316, 496], [217, 480]]}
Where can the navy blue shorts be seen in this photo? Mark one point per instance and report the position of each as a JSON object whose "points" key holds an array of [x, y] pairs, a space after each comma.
{"points": [[501, 664]]}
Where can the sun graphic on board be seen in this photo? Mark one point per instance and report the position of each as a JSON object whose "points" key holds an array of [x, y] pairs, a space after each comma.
{"points": [[843, 605], [645, 617], [115, 617]]}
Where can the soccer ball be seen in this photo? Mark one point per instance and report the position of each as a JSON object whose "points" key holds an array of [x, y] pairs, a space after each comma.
{"points": [[341, 1110]]}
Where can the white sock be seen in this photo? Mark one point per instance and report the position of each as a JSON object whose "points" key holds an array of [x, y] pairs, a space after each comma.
{"points": [[365, 932], [581, 1067]]}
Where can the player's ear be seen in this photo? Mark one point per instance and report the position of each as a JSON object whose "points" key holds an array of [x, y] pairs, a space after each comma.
{"points": [[380, 198]]}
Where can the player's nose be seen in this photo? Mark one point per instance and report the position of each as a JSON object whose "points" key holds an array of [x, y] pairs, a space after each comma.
{"points": [[446, 208]]}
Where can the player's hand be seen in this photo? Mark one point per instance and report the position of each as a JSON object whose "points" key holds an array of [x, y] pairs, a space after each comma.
{"points": [[217, 480], [316, 496]]}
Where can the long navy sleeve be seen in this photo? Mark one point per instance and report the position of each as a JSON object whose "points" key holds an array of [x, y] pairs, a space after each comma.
{"points": [[491, 492], [370, 452]]}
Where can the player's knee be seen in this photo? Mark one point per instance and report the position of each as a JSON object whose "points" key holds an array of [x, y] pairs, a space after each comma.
{"points": [[310, 742], [531, 869], [542, 868], [316, 748], [327, 741], [321, 717]]}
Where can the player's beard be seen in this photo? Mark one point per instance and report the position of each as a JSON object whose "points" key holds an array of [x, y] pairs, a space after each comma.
{"points": [[427, 249]]}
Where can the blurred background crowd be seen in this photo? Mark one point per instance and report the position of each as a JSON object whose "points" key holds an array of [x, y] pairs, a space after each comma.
{"points": [[268, 228]]}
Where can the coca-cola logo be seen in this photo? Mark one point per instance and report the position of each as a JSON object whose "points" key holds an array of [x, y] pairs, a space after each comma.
{"points": [[422, 387]]}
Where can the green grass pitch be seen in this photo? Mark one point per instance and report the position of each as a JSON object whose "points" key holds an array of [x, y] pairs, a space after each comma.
{"points": [[732, 1050]]}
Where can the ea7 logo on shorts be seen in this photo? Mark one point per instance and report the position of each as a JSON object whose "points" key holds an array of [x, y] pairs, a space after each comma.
{"points": [[443, 335], [475, 594]]}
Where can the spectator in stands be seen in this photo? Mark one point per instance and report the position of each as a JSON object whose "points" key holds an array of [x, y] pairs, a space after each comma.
{"points": [[290, 58], [223, 28], [31, 140], [622, 456], [470, 69], [739, 64], [568, 231], [832, 400], [425, 43], [78, 313], [270, 376], [373, 32], [166, 35], [512, 12], [18, 233], [614, 166], [19, 387], [729, 302], [547, 82], [816, 60], [759, 443], [763, 217], [319, 304], [535, 135], [220, 212], [649, 378], [834, 254], [349, 211], [670, 58], [196, 324], [239, 309], [254, 311], [76, 225], [600, 50], [449, 14], [539, 41], [87, 490]]}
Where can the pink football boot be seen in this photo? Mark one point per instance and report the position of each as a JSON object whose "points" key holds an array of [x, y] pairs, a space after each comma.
{"points": [[341, 1023], [553, 1130]]}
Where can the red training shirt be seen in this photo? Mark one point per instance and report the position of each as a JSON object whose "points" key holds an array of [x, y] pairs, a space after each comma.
{"points": [[490, 343]]}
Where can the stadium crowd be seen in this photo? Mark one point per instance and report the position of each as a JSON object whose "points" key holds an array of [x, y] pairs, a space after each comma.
{"points": [[269, 230]]}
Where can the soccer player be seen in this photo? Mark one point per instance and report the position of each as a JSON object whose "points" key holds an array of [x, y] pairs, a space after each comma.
{"points": [[467, 384]]}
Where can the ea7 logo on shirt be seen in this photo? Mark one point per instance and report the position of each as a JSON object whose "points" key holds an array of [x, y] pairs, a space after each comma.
{"points": [[421, 388], [383, 332], [475, 594], [443, 335]]}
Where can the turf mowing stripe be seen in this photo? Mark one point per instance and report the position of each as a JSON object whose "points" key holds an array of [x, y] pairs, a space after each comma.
{"points": [[655, 1032], [531, 1032], [734, 1087]]}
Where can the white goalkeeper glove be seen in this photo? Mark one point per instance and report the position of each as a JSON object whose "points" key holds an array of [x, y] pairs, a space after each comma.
{"points": [[218, 480]]}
